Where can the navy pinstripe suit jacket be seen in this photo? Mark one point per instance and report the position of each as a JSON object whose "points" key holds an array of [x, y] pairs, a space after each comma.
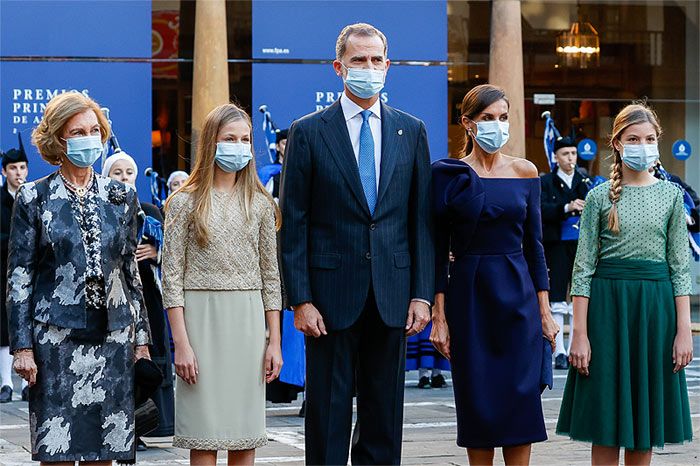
{"points": [[332, 248]]}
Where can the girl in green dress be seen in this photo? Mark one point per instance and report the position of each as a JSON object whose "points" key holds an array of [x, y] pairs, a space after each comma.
{"points": [[631, 285]]}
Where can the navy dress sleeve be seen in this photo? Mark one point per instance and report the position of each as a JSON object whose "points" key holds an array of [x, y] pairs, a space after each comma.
{"points": [[457, 193], [532, 239]]}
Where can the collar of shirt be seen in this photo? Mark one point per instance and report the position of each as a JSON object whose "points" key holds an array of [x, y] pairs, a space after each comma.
{"points": [[351, 109], [568, 179]]}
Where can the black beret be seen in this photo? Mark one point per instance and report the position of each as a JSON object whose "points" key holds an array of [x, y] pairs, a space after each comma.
{"points": [[14, 155], [564, 142], [281, 134]]}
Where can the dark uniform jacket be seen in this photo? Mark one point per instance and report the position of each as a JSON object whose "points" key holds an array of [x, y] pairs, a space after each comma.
{"points": [[47, 263], [6, 203], [555, 195]]}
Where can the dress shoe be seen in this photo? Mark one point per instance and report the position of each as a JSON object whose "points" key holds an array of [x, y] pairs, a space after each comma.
{"points": [[438, 381], [561, 362], [140, 446], [424, 382], [5, 394], [25, 393]]}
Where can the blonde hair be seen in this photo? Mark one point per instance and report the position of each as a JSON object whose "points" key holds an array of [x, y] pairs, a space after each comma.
{"points": [[47, 135], [632, 114], [357, 29], [201, 180]]}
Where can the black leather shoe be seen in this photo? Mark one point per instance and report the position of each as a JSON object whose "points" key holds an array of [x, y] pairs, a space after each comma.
{"points": [[25, 393], [5, 394], [424, 382], [438, 381], [561, 362], [140, 446]]}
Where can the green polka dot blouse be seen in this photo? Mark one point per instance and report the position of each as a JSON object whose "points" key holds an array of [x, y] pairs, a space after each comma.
{"points": [[652, 227]]}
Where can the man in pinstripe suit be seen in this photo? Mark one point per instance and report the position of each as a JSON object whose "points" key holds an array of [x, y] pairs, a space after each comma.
{"points": [[357, 254]]}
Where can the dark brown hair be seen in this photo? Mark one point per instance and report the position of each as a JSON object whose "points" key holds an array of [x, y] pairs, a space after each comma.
{"points": [[476, 100]]}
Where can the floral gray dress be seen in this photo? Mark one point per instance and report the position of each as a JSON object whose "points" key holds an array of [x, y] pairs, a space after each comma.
{"points": [[82, 407]]}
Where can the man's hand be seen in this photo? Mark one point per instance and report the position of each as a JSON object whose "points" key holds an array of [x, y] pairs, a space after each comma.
{"points": [[308, 320], [418, 317], [577, 205]]}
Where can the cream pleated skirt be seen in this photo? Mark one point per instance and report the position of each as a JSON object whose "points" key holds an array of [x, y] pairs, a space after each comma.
{"points": [[225, 409]]}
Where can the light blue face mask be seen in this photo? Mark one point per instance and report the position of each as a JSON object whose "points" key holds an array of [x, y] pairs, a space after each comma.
{"points": [[640, 157], [364, 82], [492, 135], [232, 157], [83, 151]]}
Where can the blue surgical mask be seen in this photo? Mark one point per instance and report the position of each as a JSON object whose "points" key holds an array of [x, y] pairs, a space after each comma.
{"points": [[492, 135], [83, 151], [640, 157], [232, 157], [364, 82]]}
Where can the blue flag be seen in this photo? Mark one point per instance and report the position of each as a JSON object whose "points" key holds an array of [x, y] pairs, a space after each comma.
{"points": [[551, 133]]}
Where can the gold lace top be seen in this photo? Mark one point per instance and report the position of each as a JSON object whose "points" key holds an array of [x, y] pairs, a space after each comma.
{"points": [[241, 254]]}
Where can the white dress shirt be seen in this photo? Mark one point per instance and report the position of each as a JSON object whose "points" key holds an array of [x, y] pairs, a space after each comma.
{"points": [[353, 119], [568, 180]]}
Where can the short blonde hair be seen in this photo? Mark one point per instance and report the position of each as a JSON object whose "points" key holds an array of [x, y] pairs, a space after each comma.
{"points": [[47, 135], [357, 29]]}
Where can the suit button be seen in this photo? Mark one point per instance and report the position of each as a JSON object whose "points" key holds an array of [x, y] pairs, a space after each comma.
{"points": [[373, 227], [368, 256]]}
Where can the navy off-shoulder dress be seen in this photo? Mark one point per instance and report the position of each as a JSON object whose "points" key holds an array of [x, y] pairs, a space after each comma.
{"points": [[494, 230]]}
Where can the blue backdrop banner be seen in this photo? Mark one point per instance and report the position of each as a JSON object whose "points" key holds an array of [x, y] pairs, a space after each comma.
{"points": [[71, 28], [291, 91], [415, 29], [124, 88]]}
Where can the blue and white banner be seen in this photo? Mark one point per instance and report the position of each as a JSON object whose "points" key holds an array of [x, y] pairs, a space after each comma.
{"points": [[283, 29], [77, 30], [124, 88], [416, 30], [418, 90]]}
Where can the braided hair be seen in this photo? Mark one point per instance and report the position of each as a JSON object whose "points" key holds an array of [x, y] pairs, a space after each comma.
{"points": [[630, 115]]}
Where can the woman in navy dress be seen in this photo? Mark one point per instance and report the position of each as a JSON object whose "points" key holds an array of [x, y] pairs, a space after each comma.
{"points": [[492, 306]]}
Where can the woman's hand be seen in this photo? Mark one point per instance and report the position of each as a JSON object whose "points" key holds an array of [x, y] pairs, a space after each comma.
{"points": [[25, 366], [273, 361], [186, 363], [682, 350], [550, 329], [141, 351], [580, 353], [440, 336], [146, 251]]}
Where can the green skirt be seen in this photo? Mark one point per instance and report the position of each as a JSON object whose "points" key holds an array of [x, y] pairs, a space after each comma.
{"points": [[631, 398]]}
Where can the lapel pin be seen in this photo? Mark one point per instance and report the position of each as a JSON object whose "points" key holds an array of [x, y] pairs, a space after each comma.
{"points": [[400, 132]]}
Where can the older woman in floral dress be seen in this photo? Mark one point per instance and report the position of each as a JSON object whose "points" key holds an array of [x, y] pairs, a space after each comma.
{"points": [[77, 318]]}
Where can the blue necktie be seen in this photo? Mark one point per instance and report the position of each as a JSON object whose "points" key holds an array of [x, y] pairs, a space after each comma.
{"points": [[368, 175]]}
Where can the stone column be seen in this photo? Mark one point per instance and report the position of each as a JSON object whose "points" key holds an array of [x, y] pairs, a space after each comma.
{"points": [[506, 67], [210, 80]]}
